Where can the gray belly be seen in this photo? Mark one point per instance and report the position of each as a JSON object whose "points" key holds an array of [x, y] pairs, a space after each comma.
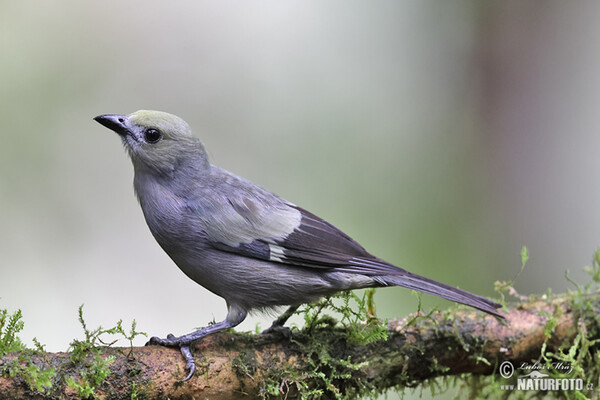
{"points": [[252, 283]]}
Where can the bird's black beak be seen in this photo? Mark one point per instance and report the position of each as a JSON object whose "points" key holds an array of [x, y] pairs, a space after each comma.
{"points": [[117, 123]]}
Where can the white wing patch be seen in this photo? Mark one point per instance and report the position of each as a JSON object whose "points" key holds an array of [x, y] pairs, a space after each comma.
{"points": [[276, 253], [245, 221]]}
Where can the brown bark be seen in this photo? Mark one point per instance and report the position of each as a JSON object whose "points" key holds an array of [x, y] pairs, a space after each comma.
{"points": [[241, 365]]}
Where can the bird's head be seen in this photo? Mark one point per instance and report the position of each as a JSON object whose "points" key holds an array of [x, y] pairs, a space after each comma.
{"points": [[157, 141]]}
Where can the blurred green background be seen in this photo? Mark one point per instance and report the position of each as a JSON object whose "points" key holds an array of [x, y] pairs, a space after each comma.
{"points": [[443, 136]]}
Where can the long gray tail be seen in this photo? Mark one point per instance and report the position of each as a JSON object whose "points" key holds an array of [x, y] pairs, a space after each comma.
{"points": [[426, 285]]}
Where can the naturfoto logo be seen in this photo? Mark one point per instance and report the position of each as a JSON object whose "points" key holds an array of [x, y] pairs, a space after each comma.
{"points": [[537, 377]]}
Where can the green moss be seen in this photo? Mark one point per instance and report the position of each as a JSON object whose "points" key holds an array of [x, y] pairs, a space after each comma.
{"points": [[87, 356], [38, 377], [10, 326], [329, 373], [244, 365], [356, 315], [577, 360]]}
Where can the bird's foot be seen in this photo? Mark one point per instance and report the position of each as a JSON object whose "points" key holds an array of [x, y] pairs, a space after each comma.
{"points": [[184, 347], [278, 330], [278, 327]]}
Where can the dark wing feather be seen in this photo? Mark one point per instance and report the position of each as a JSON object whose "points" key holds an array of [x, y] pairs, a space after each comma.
{"points": [[314, 243], [318, 244]]}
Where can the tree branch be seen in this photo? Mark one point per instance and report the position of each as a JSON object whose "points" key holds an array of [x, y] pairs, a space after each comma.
{"points": [[233, 365]]}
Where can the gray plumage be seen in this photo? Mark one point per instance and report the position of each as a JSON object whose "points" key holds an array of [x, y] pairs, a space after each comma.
{"points": [[240, 241]]}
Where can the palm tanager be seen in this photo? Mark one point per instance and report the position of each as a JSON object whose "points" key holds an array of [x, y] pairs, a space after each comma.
{"points": [[240, 241]]}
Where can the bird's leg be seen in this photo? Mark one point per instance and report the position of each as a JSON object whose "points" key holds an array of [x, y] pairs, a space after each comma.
{"points": [[277, 325], [234, 317]]}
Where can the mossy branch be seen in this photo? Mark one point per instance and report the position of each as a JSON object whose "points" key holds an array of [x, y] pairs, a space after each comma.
{"points": [[418, 348]]}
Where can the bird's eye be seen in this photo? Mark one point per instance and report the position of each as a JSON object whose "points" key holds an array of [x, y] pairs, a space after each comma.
{"points": [[152, 135]]}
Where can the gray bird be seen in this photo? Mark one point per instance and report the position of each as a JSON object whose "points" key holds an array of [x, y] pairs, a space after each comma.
{"points": [[240, 241]]}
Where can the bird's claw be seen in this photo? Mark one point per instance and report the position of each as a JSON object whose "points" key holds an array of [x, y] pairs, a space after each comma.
{"points": [[190, 363], [170, 341], [184, 347], [153, 341]]}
